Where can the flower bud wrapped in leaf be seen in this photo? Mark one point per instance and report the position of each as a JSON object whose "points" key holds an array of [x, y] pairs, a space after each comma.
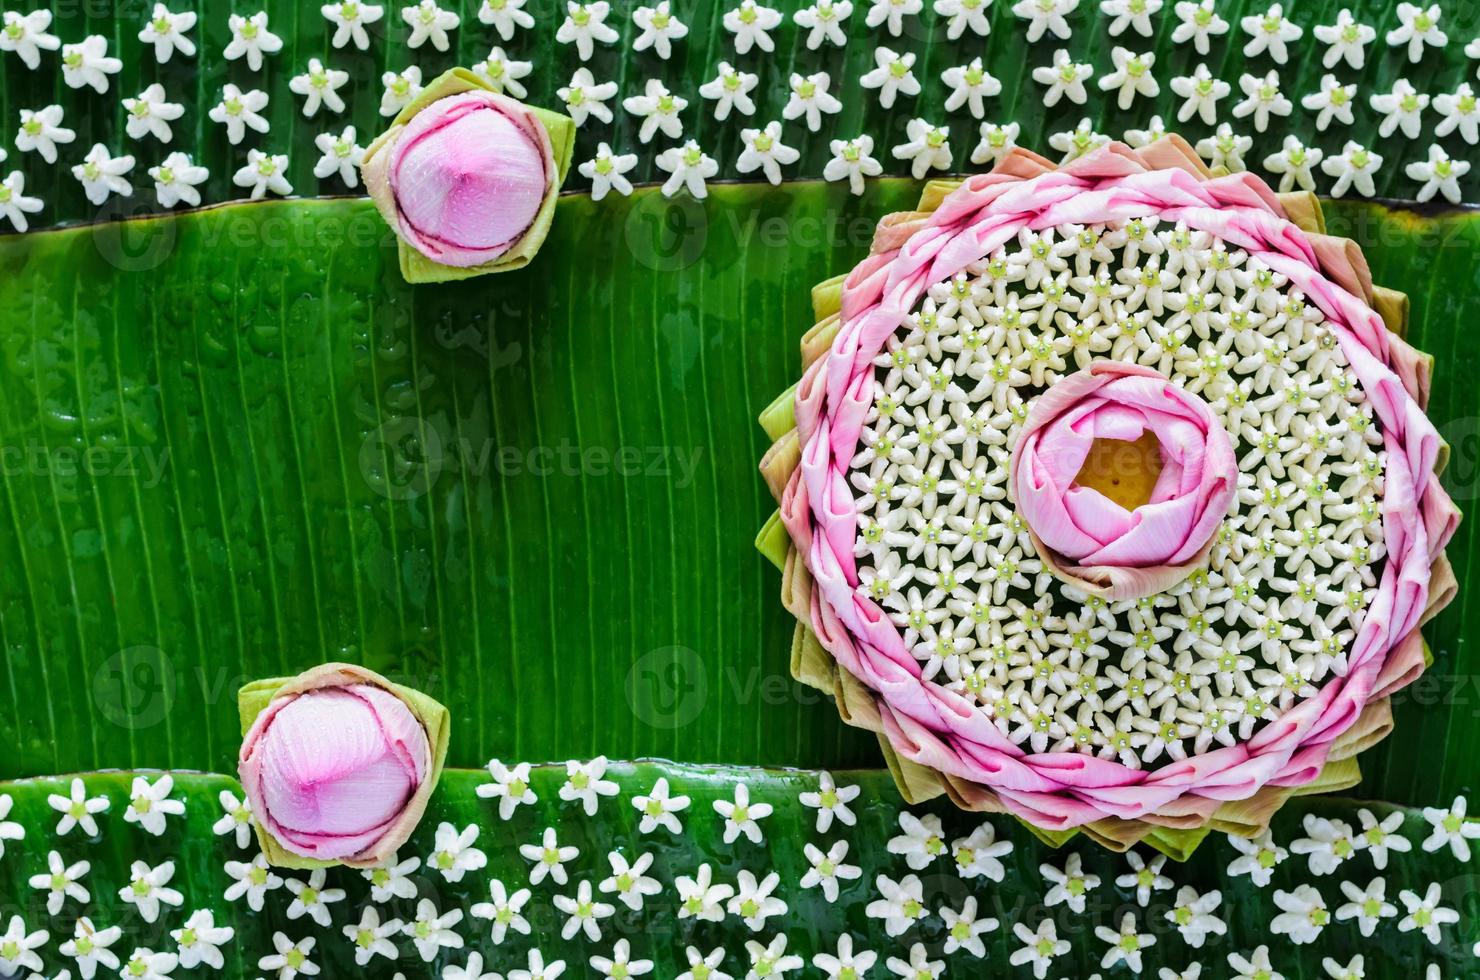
{"points": [[338, 764], [468, 178]]}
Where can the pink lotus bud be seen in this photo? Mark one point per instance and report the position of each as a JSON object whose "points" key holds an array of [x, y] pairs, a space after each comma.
{"points": [[331, 772], [1081, 533], [465, 178]]}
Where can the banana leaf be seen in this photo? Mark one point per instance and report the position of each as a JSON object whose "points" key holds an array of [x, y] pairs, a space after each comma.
{"points": [[811, 923], [196, 82]]}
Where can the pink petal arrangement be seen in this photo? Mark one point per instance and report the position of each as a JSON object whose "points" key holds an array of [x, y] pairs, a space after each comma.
{"points": [[339, 763], [939, 741], [1111, 551]]}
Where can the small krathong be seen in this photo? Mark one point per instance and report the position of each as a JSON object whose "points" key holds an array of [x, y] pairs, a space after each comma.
{"points": [[967, 583], [468, 178], [338, 764]]}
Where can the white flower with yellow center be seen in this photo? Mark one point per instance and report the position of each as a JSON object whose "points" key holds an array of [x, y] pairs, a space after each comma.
{"points": [[658, 808], [1451, 829], [371, 937], [166, 31], [1402, 107], [27, 35], [1046, 17], [1126, 945], [1270, 31], [148, 889], [700, 897], [1439, 174], [150, 114], [827, 868], [251, 39], [41, 131], [503, 910], [688, 166], [810, 98], [341, 155], [1425, 914], [891, 13], [964, 930], [751, 23], [660, 28], [1418, 26], [1040, 947], [620, 965], [312, 899], [765, 152], [200, 940], [893, 75], [900, 904], [264, 172], [145, 964], [392, 878], [823, 21], [1132, 76], [1333, 101], [845, 964], [506, 16], [1293, 164], [319, 86], [89, 947], [996, 142], [86, 63], [753, 901], [1200, 93], [1303, 914], [926, 146], [1135, 14], [1347, 39], [239, 111], [503, 73], [62, 881], [583, 913], [252, 879], [1262, 99], [1369, 906], [290, 959], [606, 171], [429, 22], [399, 89], [969, 84], [658, 109], [432, 931], [1352, 167], [1064, 78], [454, 854], [350, 18], [78, 809], [1198, 22]]}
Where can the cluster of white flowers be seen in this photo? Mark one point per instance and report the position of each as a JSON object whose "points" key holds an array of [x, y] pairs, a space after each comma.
{"points": [[942, 550]]}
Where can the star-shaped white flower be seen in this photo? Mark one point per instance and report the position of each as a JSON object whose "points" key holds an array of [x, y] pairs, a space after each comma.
{"points": [[585, 26], [969, 84], [200, 940], [657, 807], [1419, 26], [1402, 107], [1440, 175], [765, 152], [1255, 967], [41, 131], [350, 18], [1198, 22], [89, 947], [996, 142], [503, 73], [1303, 914], [264, 172], [1154, 131], [751, 23], [810, 98], [399, 89], [1262, 99], [166, 31], [1346, 39], [704, 966], [251, 39], [740, 815], [1132, 76], [584, 98], [1461, 111], [548, 858], [148, 889], [101, 175], [1450, 828], [150, 114], [583, 913], [254, 879], [730, 89], [620, 965], [891, 13], [27, 35], [1201, 92], [432, 931], [1125, 945], [688, 166], [1225, 148], [893, 75], [629, 882], [236, 817], [1071, 885], [503, 910], [1328, 843], [1065, 78], [900, 903], [659, 110], [1352, 167], [454, 854], [827, 868], [921, 842], [964, 930], [753, 900], [505, 16], [1194, 917], [429, 22], [61, 881], [392, 878], [312, 899], [87, 63], [1258, 857], [1046, 17], [1145, 877], [831, 800], [239, 111], [1293, 164], [606, 172], [1425, 914], [846, 964], [852, 160], [1334, 100], [145, 964], [175, 180], [964, 14], [660, 28], [926, 146], [977, 854], [1270, 31], [918, 967], [341, 155], [1039, 948], [700, 897], [1135, 14], [1382, 836], [78, 809], [17, 947], [823, 21], [319, 86], [771, 959], [1369, 906], [290, 959]]}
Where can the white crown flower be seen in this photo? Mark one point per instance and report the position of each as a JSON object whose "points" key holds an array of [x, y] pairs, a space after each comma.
{"points": [[1333, 101], [751, 23], [503, 910], [87, 64], [810, 98], [969, 84], [89, 947], [1303, 914], [1125, 945], [1262, 99], [1401, 108], [62, 881], [753, 901], [503, 73], [927, 147], [251, 39], [1369, 906], [1064, 78], [288, 960], [891, 13], [175, 181], [350, 18], [1075, 143], [1293, 164], [1461, 111], [101, 175], [41, 131], [1419, 27], [606, 172], [400, 89], [900, 903], [741, 815], [620, 965], [823, 21], [893, 75], [585, 26], [264, 172], [1046, 17], [1346, 39], [730, 91], [340, 155], [1201, 92], [1132, 76], [429, 22], [1451, 829], [1425, 914], [996, 142], [629, 881], [1040, 948], [687, 166], [254, 879], [150, 114], [432, 931], [659, 110], [966, 14], [700, 897], [1352, 167], [660, 28], [584, 98], [1438, 174], [583, 913], [26, 36], [1198, 23], [148, 889], [372, 937], [506, 16], [1155, 130], [166, 31], [846, 963], [1225, 148], [319, 86], [1270, 31], [852, 160]]}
